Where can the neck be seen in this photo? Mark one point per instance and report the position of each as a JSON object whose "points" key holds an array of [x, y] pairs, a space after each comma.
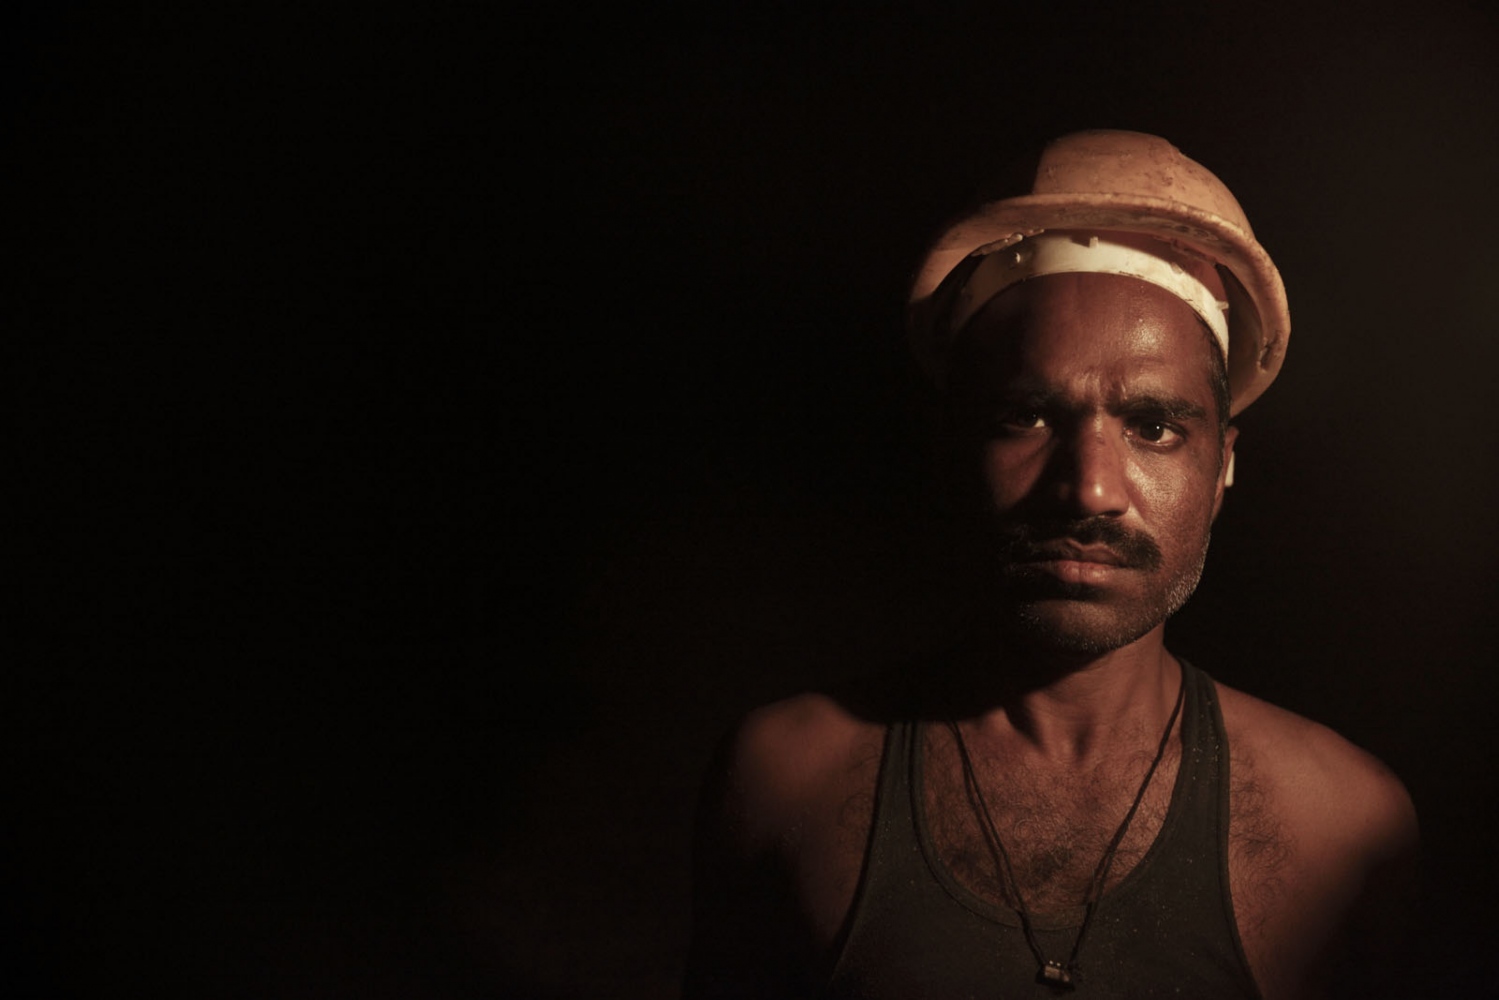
{"points": [[1063, 706]]}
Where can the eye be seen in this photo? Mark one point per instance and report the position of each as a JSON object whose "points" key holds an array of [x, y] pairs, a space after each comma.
{"points": [[1022, 420], [1156, 432]]}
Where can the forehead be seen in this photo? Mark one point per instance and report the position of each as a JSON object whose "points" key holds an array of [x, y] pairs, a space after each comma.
{"points": [[1102, 332]]}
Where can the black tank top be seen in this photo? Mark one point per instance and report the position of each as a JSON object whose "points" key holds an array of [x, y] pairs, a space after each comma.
{"points": [[1166, 930]]}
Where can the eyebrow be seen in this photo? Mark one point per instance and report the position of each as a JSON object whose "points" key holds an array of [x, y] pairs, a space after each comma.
{"points": [[1030, 396], [1150, 405]]}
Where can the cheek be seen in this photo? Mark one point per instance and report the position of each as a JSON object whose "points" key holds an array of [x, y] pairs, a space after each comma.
{"points": [[1007, 473], [1175, 496]]}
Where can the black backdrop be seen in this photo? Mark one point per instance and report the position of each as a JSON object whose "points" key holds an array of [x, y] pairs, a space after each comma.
{"points": [[432, 428]]}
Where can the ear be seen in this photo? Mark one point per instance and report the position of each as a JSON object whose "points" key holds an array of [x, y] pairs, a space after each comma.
{"points": [[1225, 469]]}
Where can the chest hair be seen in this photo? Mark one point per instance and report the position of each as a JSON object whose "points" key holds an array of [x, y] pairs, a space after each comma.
{"points": [[1258, 849], [1055, 823]]}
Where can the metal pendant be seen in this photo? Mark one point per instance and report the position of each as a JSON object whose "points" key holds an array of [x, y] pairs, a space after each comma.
{"points": [[1057, 976]]}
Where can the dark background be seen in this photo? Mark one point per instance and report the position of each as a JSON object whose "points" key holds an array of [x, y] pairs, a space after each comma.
{"points": [[431, 428]]}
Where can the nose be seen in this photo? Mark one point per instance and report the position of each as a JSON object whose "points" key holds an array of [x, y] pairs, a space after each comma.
{"points": [[1089, 472]]}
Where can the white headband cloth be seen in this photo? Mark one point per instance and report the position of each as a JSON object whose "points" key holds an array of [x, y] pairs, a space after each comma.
{"points": [[1190, 278]]}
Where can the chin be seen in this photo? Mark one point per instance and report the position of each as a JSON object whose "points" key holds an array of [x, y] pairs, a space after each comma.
{"points": [[1081, 620], [1076, 627], [1074, 618]]}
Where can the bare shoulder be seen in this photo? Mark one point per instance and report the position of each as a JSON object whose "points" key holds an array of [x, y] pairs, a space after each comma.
{"points": [[792, 757], [1325, 789], [779, 846], [1322, 844]]}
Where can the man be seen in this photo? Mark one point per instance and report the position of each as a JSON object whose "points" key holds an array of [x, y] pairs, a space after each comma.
{"points": [[1062, 805]]}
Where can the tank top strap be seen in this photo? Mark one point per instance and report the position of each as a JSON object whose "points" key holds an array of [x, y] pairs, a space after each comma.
{"points": [[894, 822], [1199, 805], [892, 861], [1196, 850]]}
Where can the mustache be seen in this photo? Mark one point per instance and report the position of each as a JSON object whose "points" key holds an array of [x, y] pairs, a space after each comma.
{"points": [[1035, 541]]}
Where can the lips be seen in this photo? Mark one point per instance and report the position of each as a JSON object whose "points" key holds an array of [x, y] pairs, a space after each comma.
{"points": [[1073, 564], [1069, 551]]}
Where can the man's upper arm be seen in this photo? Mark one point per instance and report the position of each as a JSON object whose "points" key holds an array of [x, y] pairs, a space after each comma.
{"points": [[749, 938], [1357, 838], [1382, 933], [1335, 916]]}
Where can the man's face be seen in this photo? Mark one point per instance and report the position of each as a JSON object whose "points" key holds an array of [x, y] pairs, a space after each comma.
{"points": [[1091, 440]]}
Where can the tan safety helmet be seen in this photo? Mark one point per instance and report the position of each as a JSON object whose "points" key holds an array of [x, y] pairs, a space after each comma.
{"points": [[1118, 182]]}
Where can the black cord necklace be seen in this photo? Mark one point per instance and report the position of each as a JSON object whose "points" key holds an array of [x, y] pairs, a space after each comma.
{"points": [[1050, 972]]}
